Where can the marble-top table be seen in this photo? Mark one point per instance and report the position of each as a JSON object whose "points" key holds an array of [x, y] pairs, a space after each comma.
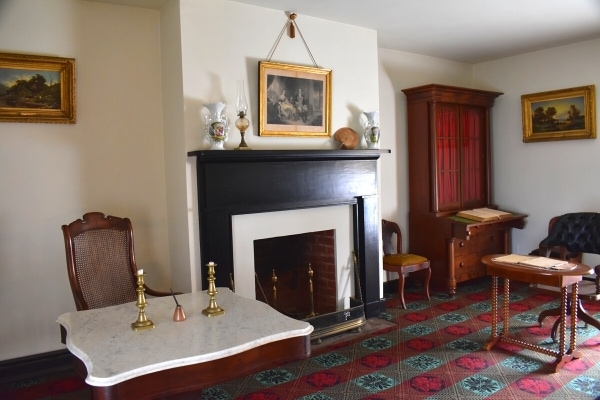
{"points": [[181, 356]]}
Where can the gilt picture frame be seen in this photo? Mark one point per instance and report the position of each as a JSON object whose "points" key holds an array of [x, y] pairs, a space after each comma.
{"points": [[564, 114], [37, 89], [294, 100]]}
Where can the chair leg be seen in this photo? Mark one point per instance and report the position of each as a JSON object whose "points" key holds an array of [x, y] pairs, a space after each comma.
{"points": [[582, 315], [548, 313], [427, 279], [554, 330], [401, 278]]}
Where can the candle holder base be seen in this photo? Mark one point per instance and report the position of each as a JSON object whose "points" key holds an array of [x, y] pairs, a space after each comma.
{"points": [[213, 312], [142, 325]]}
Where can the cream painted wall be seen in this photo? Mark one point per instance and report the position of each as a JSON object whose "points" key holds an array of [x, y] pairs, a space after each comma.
{"points": [[176, 164], [111, 160], [542, 179]]}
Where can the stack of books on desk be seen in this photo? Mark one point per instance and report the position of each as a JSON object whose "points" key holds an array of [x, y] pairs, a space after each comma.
{"points": [[536, 262], [483, 214]]}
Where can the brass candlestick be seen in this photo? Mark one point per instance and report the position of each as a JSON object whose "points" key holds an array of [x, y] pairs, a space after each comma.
{"points": [[213, 309], [142, 321]]}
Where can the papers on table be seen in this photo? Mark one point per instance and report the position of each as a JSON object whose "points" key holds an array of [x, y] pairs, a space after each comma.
{"points": [[536, 262]]}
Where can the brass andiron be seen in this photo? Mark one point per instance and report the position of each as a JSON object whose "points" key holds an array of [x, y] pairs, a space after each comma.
{"points": [[213, 309], [142, 321], [311, 293], [274, 282]]}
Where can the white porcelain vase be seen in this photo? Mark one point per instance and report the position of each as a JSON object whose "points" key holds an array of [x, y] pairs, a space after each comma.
{"points": [[370, 123], [216, 125]]}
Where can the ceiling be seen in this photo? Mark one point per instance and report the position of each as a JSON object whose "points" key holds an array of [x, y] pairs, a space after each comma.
{"points": [[469, 31]]}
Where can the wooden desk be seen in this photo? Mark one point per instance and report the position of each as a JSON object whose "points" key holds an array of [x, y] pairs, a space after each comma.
{"points": [[558, 278], [455, 246], [176, 357]]}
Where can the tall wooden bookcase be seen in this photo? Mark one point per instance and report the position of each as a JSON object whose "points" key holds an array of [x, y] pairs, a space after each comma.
{"points": [[449, 171]]}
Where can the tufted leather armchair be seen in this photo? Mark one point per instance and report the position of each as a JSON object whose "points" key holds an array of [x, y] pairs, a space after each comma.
{"points": [[571, 235], [577, 232]]}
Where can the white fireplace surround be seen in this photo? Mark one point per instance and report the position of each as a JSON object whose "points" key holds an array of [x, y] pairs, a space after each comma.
{"points": [[246, 228]]}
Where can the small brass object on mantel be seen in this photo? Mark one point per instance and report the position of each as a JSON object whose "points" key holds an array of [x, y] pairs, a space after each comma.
{"points": [[142, 322], [213, 309]]}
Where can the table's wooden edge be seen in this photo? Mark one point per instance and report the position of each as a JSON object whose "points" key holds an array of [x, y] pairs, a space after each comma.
{"points": [[488, 260], [203, 375]]}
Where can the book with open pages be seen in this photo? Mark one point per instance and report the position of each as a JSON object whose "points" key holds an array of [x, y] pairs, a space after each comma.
{"points": [[536, 262], [484, 214]]}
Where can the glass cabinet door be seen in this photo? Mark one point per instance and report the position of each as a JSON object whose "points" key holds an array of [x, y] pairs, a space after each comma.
{"points": [[460, 158], [447, 163], [473, 157]]}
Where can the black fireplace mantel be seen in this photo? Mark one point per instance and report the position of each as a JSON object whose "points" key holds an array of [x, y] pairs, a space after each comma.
{"points": [[255, 181]]}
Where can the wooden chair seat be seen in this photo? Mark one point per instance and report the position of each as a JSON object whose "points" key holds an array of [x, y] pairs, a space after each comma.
{"points": [[401, 263]]}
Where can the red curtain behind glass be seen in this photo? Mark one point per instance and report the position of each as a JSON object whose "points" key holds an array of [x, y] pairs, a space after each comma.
{"points": [[447, 153], [472, 159], [459, 166]]}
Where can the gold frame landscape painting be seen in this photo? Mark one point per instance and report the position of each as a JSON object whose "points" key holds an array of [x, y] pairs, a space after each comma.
{"points": [[37, 89], [559, 115]]}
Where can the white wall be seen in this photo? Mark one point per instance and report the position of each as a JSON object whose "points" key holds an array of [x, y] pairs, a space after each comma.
{"points": [[541, 179], [111, 160]]}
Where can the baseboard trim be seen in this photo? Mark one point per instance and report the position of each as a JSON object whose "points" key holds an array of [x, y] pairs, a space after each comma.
{"points": [[35, 365]]}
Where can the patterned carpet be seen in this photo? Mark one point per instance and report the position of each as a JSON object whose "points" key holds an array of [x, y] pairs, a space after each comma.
{"points": [[434, 350]]}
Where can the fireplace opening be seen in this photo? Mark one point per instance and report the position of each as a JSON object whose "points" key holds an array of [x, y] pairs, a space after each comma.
{"points": [[284, 241], [296, 274]]}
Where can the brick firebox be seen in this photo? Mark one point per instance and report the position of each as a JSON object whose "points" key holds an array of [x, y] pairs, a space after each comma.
{"points": [[289, 257]]}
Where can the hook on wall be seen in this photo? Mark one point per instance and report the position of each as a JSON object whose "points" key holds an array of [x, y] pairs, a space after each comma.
{"points": [[292, 24], [291, 21]]}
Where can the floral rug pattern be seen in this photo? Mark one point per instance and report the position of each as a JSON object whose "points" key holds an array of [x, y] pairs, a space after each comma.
{"points": [[436, 351]]}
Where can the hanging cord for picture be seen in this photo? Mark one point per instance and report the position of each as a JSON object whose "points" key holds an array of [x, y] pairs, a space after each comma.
{"points": [[291, 22]]}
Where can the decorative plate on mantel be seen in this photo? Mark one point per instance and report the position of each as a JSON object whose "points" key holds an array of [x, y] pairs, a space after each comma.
{"points": [[347, 137]]}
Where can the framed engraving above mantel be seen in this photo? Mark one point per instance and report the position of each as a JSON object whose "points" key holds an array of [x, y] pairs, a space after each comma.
{"points": [[294, 100], [559, 115], [37, 89]]}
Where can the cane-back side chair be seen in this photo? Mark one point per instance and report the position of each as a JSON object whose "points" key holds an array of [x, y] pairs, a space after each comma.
{"points": [[101, 261]]}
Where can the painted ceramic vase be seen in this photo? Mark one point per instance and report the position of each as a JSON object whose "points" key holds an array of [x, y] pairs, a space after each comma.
{"points": [[370, 122], [216, 125]]}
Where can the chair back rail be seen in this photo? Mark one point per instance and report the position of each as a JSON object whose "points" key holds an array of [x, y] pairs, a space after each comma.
{"points": [[578, 233]]}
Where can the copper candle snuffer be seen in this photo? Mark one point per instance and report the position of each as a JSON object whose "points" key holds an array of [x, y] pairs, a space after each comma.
{"points": [[179, 314]]}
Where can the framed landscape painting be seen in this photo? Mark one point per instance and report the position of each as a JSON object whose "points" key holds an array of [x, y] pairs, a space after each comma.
{"points": [[37, 89], [294, 100], [559, 115]]}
